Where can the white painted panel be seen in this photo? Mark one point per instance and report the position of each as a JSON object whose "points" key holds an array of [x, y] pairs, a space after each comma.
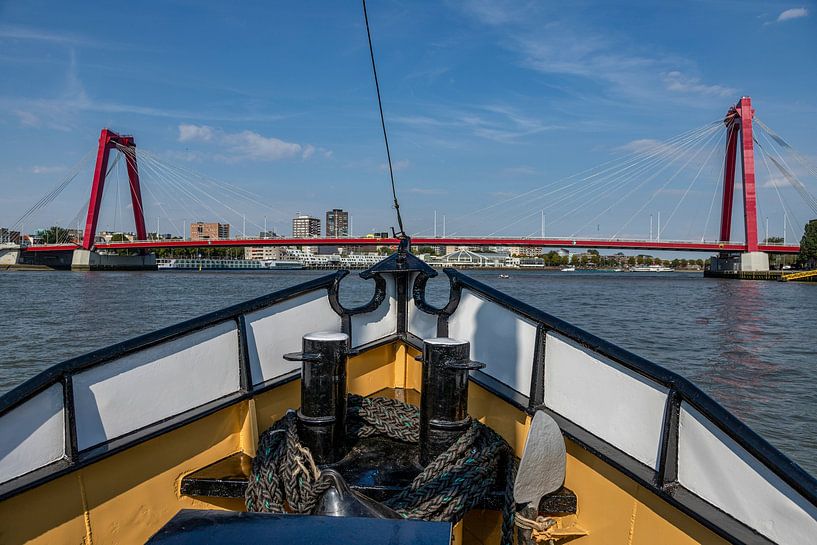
{"points": [[379, 323], [717, 469], [605, 398], [279, 329], [420, 323], [32, 434], [502, 340], [156, 383]]}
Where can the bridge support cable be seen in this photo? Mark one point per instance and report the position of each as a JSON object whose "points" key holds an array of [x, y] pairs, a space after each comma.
{"points": [[779, 139], [598, 172], [146, 164], [787, 208], [717, 192], [208, 193], [619, 177], [169, 195], [784, 204], [693, 151], [187, 189], [657, 159], [184, 187], [787, 172], [692, 183], [661, 161], [599, 188], [227, 188], [594, 179], [218, 201], [54, 192]]}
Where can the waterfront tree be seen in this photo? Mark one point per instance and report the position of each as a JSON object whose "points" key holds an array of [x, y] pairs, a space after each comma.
{"points": [[808, 245], [55, 235]]}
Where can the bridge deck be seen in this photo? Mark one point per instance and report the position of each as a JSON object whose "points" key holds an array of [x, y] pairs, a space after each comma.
{"points": [[618, 244]]}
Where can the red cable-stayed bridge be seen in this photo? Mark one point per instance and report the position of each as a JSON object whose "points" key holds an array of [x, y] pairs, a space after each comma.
{"points": [[617, 183], [670, 245]]}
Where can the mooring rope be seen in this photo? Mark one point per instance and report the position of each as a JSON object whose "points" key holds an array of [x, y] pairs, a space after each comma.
{"points": [[284, 478]]}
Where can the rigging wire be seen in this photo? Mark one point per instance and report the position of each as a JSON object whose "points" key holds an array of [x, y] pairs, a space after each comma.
{"points": [[601, 187], [695, 179], [712, 202], [787, 173], [784, 205], [704, 141], [779, 139], [601, 175], [383, 123]]}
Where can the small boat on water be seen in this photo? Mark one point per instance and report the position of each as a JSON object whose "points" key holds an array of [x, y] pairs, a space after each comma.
{"points": [[504, 276], [569, 268], [652, 269]]}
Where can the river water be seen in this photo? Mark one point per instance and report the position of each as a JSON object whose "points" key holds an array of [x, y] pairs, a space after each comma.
{"points": [[751, 345]]}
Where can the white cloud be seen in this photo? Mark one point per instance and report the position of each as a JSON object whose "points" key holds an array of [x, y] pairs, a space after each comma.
{"points": [[521, 170], [681, 83], [493, 12], [777, 182], [27, 119], [396, 166], [641, 145], [427, 191], [497, 122], [191, 133], [793, 13], [246, 144], [546, 41], [38, 35], [252, 145]]}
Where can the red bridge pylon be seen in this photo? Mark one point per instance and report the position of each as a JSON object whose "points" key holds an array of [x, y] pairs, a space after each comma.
{"points": [[109, 140], [738, 121]]}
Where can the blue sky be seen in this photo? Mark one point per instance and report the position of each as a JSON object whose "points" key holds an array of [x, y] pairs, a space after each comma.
{"points": [[484, 100]]}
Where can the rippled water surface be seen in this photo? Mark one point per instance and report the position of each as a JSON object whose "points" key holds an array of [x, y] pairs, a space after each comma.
{"points": [[751, 345]]}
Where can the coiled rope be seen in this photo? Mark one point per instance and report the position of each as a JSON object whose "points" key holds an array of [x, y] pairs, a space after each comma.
{"points": [[284, 477]]}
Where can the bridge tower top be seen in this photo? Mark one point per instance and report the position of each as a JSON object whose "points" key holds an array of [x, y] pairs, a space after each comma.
{"points": [[126, 145], [738, 123]]}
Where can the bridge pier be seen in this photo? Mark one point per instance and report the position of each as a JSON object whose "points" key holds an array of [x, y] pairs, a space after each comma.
{"points": [[9, 255], [739, 262], [89, 260]]}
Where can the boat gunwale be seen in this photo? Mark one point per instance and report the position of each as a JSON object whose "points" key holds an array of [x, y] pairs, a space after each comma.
{"points": [[680, 389]]}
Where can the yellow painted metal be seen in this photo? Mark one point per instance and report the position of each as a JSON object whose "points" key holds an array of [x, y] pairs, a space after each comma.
{"points": [[127, 497], [799, 275]]}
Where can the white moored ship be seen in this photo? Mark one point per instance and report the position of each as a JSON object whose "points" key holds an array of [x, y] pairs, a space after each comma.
{"points": [[652, 268], [201, 264]]}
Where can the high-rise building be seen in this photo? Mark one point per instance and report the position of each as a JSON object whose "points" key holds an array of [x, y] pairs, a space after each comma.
{"points": [[209, 231], [304, 226], [337, 223]]}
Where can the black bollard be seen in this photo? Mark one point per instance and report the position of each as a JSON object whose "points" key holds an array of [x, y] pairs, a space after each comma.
{"points": [[444, 396], [322, 416]]}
